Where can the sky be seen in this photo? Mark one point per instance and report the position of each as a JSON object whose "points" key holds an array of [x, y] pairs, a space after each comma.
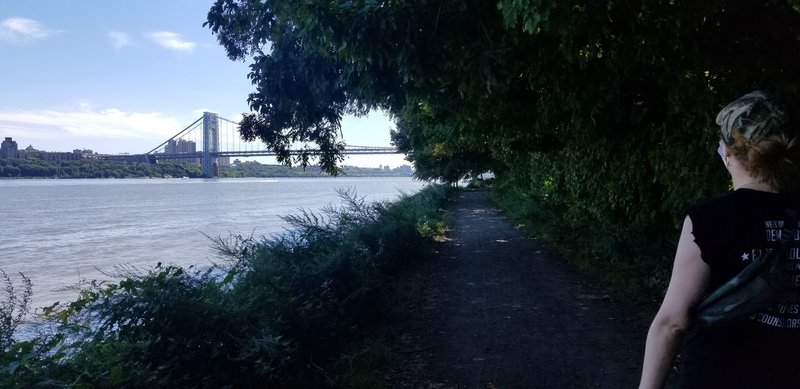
{"points": [[124, 76]]}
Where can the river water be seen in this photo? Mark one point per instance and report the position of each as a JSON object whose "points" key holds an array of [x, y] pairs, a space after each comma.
{"points": [[59, 232]]}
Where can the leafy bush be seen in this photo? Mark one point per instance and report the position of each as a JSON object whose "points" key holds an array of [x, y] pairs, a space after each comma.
{"points": [[478, 182], [633, 262], [279, 312]]}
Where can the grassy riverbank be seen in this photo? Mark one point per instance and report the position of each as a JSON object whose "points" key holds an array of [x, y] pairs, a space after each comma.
{"points": [[288, 311]]}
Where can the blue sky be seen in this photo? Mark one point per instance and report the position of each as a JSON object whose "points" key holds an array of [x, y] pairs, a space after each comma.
{"points": [[123, 76]]}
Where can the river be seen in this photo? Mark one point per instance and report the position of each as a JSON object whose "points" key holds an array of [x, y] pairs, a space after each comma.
{"points": [[60, 232]]}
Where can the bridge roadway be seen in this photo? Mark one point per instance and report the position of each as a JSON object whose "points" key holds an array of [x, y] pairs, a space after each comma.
{"points": [[207, 156], [154, 157]]}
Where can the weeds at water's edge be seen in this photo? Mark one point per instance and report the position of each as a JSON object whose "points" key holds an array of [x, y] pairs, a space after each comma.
{"points": [[302, 309], [14, 305]]}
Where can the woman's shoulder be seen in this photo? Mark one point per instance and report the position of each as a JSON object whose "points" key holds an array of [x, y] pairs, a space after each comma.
{"points": [[743, 201], [716, 204]]}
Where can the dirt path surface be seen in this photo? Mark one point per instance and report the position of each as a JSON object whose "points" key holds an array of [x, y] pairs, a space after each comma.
{"points": [[499, 312]]}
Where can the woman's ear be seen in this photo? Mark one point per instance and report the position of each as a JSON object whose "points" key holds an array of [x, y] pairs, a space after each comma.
{"points": [[726, 151]]}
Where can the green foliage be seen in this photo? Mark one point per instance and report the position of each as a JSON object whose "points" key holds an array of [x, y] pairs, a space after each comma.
{"points": [[29, 362], [531, 15], [363, 364], [256, 169], [313, 62], [633, 263], [431, 228], [602, 109], [440, 150], [22, 361], [13, 308], [36, 168], [283, 311], [479, 182]]}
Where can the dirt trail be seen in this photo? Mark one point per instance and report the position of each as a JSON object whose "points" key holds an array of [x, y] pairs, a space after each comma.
{"points": [[499, 312]]}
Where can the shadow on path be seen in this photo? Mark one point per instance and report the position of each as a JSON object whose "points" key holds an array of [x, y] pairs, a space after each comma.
{"points": [[501, 313]]}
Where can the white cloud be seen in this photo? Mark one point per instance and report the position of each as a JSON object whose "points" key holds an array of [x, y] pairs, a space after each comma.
{"points": [[22, 30], [172, 41], [120, 39], [106, 130], [199, 111], [236, 117]]}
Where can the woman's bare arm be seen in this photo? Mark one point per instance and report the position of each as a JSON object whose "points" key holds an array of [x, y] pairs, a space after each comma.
{"points": [[686, 286]]}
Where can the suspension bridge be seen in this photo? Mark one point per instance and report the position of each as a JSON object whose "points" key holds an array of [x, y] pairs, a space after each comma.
{"points": [[219, 140]]}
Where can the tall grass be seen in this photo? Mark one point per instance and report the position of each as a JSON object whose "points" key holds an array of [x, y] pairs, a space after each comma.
{"points": [[280, 311], [14, 305]]}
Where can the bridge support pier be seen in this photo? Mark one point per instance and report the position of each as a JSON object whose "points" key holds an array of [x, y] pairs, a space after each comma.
{"points": [[210, 144]]}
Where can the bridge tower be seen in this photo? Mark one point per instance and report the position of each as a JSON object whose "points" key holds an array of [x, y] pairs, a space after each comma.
{"points": [[210, 144]]}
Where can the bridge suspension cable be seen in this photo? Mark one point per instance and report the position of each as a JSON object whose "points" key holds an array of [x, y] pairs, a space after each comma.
{"points": [[227, 120], [187, 129], [212, 136]]}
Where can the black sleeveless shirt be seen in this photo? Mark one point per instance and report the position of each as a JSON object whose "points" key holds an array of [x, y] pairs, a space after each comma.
{"points": [[763, 350]]}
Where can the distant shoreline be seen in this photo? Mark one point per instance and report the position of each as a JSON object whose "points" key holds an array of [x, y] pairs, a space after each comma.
{"points": [[41, 169], [206, 178]]}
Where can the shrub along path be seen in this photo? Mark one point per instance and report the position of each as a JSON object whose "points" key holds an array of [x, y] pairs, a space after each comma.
{"points": [[499, 312]]}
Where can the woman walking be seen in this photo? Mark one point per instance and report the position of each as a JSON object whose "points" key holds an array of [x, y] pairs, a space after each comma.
{"points": [[761, 150]]}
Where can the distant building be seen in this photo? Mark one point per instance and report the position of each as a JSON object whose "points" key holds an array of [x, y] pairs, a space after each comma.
{"points": [[186, 146], [85, 153], [405, 169], [32, 153], [171, 147], [8, 149], [59, 156], [182, 146], [28, 153]]}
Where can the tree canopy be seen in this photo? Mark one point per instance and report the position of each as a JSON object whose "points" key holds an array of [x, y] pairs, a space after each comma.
{"points": [[602, 107]]}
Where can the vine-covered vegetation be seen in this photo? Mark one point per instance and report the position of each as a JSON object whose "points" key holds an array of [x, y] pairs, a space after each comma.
{"points": [[601, 111], [279, 312]]}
